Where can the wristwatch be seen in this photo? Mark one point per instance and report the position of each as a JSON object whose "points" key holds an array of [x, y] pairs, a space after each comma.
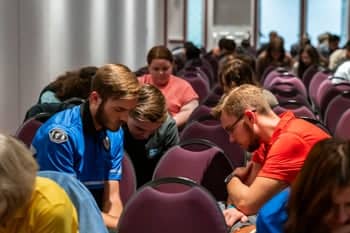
{"points": [[229, 177]]}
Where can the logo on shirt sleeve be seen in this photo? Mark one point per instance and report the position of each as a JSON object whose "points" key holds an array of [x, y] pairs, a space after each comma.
{"points": [[58, 136]]}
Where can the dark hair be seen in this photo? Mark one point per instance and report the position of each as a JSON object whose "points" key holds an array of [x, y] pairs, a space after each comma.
{"points": [[73, 83], [313, 54], [276, 44], [325, 171], [227, 44], [191, 51], [159, 52]]}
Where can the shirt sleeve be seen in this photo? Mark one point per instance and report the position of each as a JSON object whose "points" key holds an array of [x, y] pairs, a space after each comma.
{"points": [[285, 158], [117, 153], [55, 155]]}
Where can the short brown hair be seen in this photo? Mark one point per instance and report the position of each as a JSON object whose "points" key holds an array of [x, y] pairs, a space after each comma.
{"points": [[115, 81], [151, 105], [241, 98], [18, 172], [159, 52]]}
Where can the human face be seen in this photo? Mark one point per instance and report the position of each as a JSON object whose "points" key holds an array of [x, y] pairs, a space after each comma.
{"points": [[305, 58], [142, 130], [339, 216], [240, 132], [112, 113], [160, 70]]}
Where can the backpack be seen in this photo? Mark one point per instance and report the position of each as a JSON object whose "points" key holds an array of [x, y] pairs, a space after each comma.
{"points": [[44, 111]]}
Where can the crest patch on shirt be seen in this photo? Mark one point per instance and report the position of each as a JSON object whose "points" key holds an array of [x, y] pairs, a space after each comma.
{"points": [[58, 136]]}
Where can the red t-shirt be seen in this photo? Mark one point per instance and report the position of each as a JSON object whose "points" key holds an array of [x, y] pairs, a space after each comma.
{"points": [[283, 157], [177, 92]]}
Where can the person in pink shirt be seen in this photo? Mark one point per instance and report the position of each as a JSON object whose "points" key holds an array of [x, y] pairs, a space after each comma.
{"points": [[180, 97]]}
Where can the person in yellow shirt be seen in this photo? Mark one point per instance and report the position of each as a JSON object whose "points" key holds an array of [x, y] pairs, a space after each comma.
{"points": [[30, 204]]}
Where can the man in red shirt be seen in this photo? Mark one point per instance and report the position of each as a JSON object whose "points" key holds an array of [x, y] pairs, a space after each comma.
{"points": [[279, 145]]}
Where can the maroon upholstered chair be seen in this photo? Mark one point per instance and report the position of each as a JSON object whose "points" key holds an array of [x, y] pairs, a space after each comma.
{"points": [[128, 182], [27, 130], [343, 127], [336, 107], [153, 211], [298, 109], [309, 74], [216, 134], [207, 167], [315, 83]]}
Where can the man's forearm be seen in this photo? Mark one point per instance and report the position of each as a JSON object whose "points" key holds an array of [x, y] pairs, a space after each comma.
{"points": [[238, 194], [110, 221]]}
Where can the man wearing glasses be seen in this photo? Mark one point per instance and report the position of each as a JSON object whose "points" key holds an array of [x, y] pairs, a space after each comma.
{"points": [[279, 145]]}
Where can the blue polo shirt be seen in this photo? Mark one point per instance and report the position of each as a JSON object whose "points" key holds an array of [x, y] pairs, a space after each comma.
{"points": [[68, 142]]}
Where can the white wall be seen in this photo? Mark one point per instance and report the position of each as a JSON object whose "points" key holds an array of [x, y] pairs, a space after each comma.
{"points": [[40, 39]]}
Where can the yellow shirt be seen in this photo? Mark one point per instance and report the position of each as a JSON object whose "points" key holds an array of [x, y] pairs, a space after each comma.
{"points": [[50, 211]]}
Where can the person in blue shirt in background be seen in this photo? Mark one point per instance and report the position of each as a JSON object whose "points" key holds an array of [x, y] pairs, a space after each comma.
{"points": [[87, 140], [319, 199]]}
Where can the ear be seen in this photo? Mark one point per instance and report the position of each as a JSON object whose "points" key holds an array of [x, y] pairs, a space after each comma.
{"points": [[251, 116], [94, 98]]}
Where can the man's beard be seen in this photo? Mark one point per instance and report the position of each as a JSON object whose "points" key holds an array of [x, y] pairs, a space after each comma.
{"points": [[255, 142], [101, 118]]}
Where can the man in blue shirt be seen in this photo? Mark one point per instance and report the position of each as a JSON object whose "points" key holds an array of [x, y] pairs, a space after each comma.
{"points": [[87, 141]]}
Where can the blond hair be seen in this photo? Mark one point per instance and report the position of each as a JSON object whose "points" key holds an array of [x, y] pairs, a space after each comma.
{"points": [[17, 171], [151, 105], [115, 81], [239, 99]]}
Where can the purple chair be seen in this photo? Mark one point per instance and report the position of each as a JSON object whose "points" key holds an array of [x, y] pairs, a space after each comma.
{"points": [[336, 107], [309, 74], [212, 99], [202, 113], [216, 134], [27, 130], [315, 82], [208, 167], [275, 73], [153, 211], [298, 109], [199, 86], [128, 182], [343, 127], [266, 72], [327, 92], [285, 91], [290, 80]]}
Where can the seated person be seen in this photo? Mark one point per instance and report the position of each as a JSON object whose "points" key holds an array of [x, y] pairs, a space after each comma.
{"points": [[150, 131], [86, 141], [319, 199], [235, 72], [75, 83], [28, 203], [279, 144], [179, 94]]}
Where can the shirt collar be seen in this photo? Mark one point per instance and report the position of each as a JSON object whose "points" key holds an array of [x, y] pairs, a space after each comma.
{"points": [[88, 123]]}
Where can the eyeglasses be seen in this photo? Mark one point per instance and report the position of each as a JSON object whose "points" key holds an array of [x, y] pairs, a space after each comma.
{"points": [[231, 128]]}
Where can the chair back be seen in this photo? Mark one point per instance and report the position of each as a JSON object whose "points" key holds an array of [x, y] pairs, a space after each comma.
{"points": [[153, 211], [342, 129], [89, 215], [128, 182], [207, 167], [216, 134], [315, 82], [27, 130], [336, 107], [309, 74]]}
